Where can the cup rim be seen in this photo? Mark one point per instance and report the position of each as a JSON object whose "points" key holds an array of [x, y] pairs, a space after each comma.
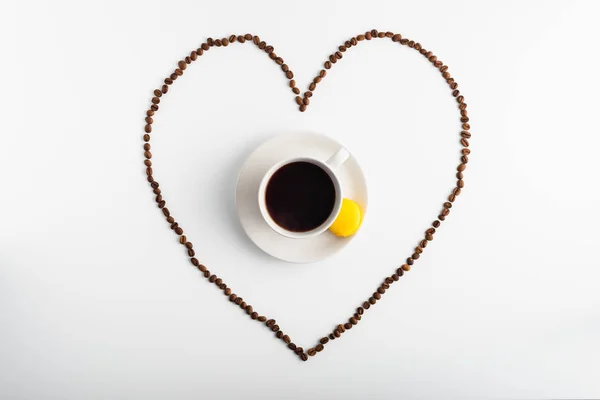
{"points": [[313, 232]]}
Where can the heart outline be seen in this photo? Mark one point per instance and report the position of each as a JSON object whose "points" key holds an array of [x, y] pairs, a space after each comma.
{"points": [[303, 102]]}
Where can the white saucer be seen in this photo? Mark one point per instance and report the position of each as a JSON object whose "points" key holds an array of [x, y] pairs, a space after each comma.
{"points": [[281, 147]]}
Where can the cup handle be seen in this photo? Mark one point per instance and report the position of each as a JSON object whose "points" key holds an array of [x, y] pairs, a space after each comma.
{"points": [[338, 158]]}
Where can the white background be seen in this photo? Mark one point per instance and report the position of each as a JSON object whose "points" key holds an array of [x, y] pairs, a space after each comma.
{"points": [[97, 298]]}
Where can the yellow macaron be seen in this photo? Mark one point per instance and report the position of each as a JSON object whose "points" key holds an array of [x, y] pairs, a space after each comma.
{"points": [[348, 220]]}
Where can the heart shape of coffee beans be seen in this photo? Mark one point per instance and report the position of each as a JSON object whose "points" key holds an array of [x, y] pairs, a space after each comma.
{"points": [[303, 102]]}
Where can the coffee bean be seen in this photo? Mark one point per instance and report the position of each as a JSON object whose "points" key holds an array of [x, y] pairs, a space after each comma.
{"points": [[366, 305], [319, 347], [312, 352], [372, 300], [312, 87], [338, 55], [289, 74], [299, 100], [380, 290], [396, 37], [460, 183], [262, 318], [292, 346], [270, 323], [182, 239], [248, 36], [241, 39], [178, 231], [360, 310], [303, 357], [395, 277], [275, 328], [306, 101], [381, 35], [327, 65], [237, 301], [286, 339], [377, 296], [279, 334], [299, 350], [353, 321], [256, 40], [341, 328], [348, 325], [324, 340], [296, 90], [303, 108], [227, 292], [337, 333], [331, 336], [308, 94]]}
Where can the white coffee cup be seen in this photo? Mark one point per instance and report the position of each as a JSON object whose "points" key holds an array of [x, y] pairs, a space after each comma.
{"points": [[329, 166]]}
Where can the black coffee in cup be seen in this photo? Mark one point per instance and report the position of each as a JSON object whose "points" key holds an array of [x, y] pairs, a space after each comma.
{"points": [[300, 196]]}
